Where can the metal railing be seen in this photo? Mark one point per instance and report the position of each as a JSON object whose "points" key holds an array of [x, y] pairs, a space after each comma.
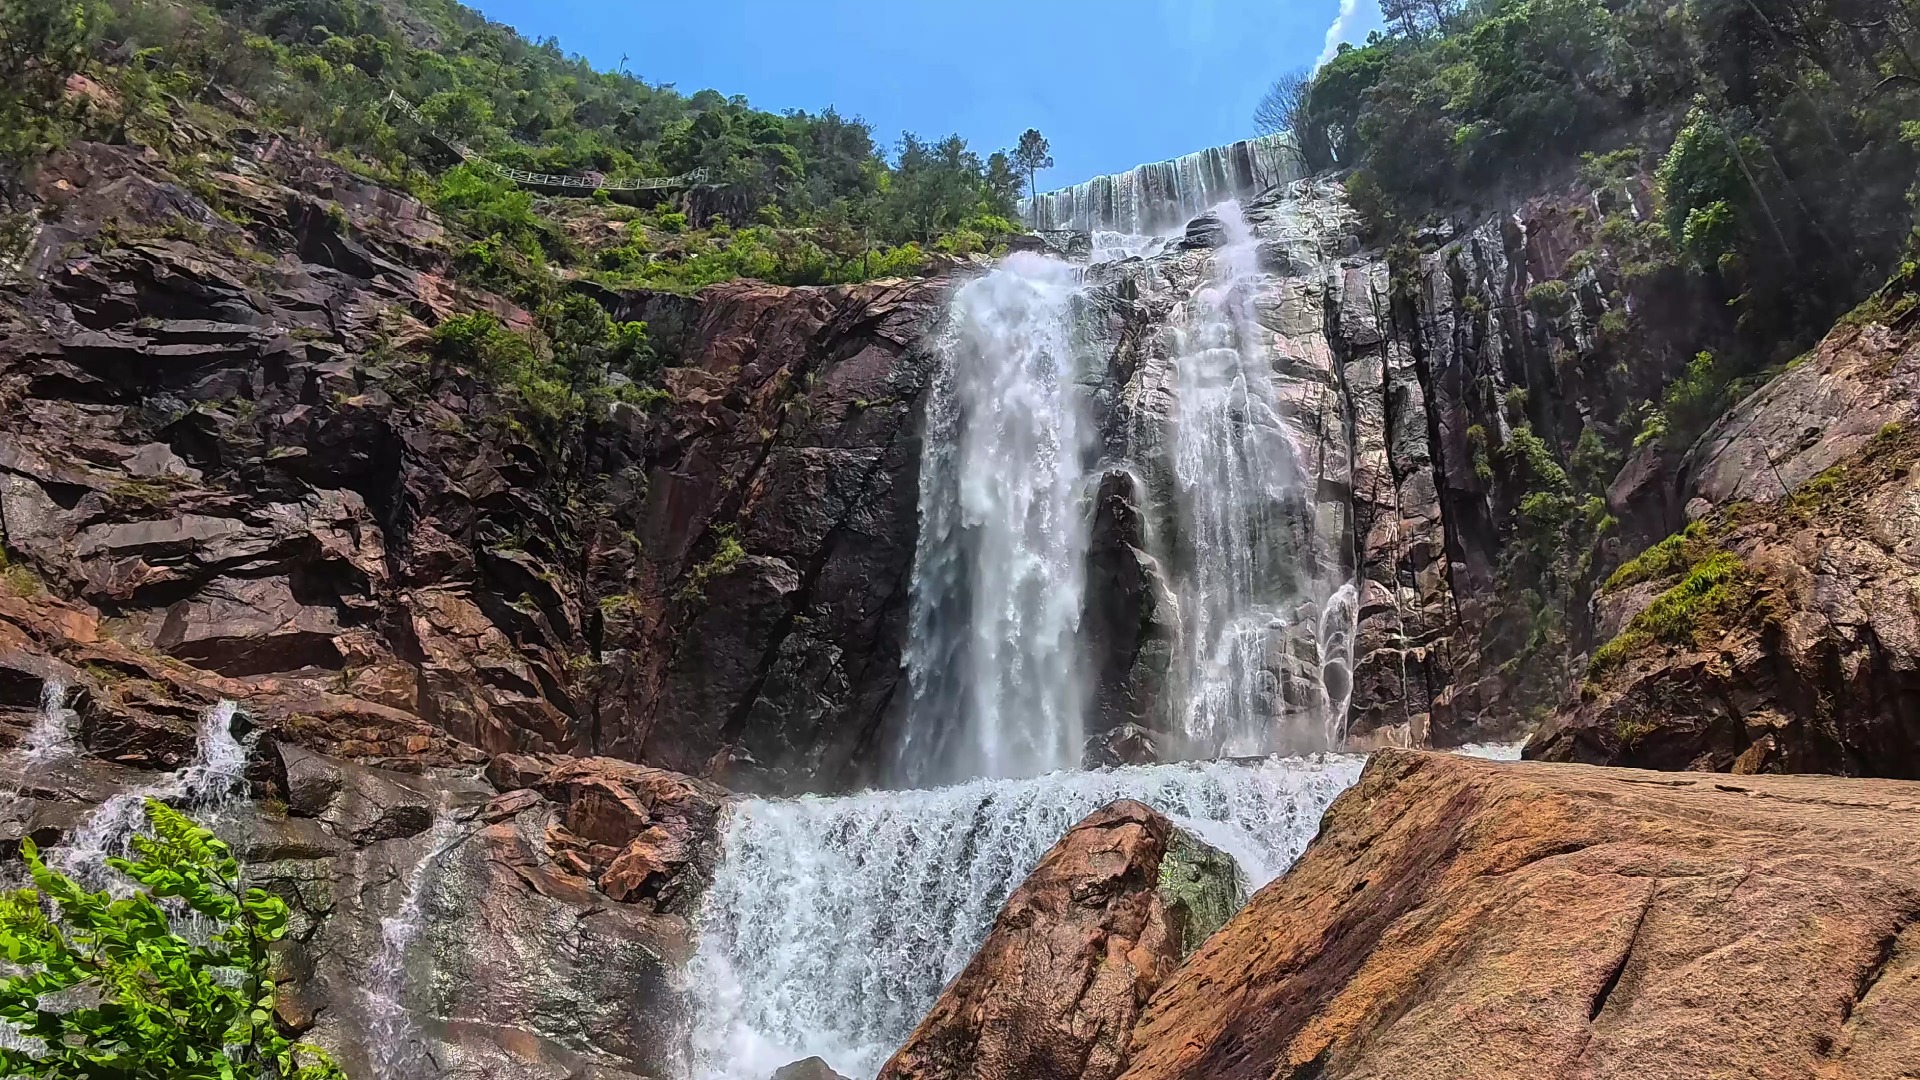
{"points": [[540, 179]]}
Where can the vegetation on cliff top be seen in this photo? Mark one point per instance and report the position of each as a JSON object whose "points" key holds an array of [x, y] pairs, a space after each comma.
{"points": [[1745, 174], [1780, 134], [796, 197]]}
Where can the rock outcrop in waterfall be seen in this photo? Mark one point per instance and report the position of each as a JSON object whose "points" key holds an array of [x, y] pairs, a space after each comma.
{"points": [[1091, 933]]}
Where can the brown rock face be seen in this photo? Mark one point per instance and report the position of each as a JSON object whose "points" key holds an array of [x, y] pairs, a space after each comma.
{"points": [[229, 464], [1808, 658], [1462, 918], [639, 833], [1076, 950]]}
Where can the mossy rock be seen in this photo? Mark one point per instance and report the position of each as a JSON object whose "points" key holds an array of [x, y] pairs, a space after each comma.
{"points": [[1202, 888]]}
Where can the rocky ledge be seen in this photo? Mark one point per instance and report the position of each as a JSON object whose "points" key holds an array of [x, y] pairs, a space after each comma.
{"points": [[531, 928], [1780, 630], [1463, 918], [230, 470]]}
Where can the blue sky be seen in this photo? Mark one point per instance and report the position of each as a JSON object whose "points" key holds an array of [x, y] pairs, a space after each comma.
{"points": [[1112, 84]]}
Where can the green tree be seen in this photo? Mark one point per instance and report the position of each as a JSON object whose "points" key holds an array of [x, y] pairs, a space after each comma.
{"points": [[1032, 155], [153, 1004], [42, 42]]}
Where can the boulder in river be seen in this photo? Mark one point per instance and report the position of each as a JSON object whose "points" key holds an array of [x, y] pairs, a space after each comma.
{"points": [[1097, 926]]}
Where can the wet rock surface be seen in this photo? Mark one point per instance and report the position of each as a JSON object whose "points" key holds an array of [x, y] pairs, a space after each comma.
{"points": [[515, 965], [1461, 918], [1093, 930]]}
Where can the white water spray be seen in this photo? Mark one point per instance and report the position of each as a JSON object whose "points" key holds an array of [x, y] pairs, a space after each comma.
{"points": [[209, 783], [999, 574], [1265, 659], [1154, 198], [833, 924]]}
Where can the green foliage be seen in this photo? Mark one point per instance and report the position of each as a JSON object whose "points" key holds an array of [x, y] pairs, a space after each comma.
{"points": [[563, 368], [1540, 471], [727, 554], [327, 66], [1671, 556], [1716, 587], [1031, 155], [1789, 182], [1550, 298], [1692, 401], [1477, 449], [153, 1004], [42, 42], [18, 579]]}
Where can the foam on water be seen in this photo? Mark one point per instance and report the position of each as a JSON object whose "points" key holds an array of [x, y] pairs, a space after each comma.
{"points": [[833, 923], [209, 784], [993, 653], [51, 736]]}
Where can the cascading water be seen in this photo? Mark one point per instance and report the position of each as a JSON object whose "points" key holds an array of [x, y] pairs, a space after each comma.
{"points": [[392, 1036], [1249, 600], [51, 736], [1150, 200], [209, 783], [832, 924], [998, 580]]}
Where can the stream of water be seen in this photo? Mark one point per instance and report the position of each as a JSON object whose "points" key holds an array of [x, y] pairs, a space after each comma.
{"points": [[1164, 195], [993, 656], [1266, 643], [51, 737], [209, 784], [393, 1037]]}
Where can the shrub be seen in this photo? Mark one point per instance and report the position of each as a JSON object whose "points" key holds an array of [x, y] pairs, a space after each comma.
{"points": [[155, 1004]]}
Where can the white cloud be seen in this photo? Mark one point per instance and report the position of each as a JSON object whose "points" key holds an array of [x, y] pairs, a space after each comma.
{"points": [[1356, 18]]}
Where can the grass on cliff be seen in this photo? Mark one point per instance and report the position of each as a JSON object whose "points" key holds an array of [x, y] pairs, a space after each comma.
{"points": [[1716, 589], [727, 554], [18, 580]]}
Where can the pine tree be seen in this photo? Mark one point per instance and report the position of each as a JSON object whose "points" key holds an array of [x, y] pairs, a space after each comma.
{"points": [[1032, 155]]}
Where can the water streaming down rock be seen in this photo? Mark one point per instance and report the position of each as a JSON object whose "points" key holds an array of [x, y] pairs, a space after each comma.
{"points": [[993, 655], [395, 1047], [832, 924], [51, 736], [1235, 471], [1153, 199], [1267, 602], [208, 785]]}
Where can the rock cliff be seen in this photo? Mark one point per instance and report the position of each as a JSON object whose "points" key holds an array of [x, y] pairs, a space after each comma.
{"points": [[443, 928], [1780, 632], [229, 470]]}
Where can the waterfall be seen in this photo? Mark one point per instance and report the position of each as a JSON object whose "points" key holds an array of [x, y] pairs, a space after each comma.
{"points": [[209, 783], [1149, 200], [1263, 662], [51, 736], [833, 923], [393, 1038], [993, 654]]}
